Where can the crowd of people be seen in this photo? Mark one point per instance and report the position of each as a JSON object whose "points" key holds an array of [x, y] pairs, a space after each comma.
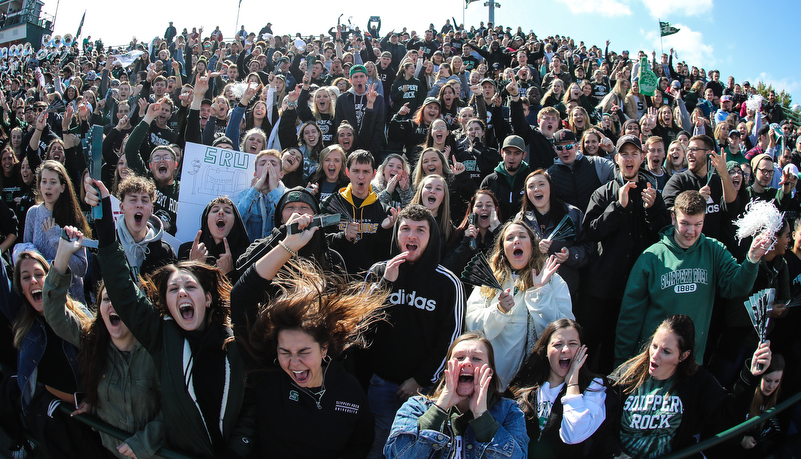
{"points": [[459, 243]]}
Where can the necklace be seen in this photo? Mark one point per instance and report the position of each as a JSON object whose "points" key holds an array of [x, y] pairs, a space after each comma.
{"points": [[317, 396]]}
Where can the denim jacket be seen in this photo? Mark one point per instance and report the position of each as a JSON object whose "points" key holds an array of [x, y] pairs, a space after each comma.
{"points": [[33, 345], [257, 210], [407, 439]]}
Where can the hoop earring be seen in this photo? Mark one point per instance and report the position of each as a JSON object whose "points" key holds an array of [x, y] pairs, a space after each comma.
{"points": [[275, 361], [327, 359]]}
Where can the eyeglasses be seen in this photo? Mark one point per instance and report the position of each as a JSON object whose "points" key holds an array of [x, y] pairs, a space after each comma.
{"points": [[569, 146], [160, 158], [695, 150], [767, 171]]}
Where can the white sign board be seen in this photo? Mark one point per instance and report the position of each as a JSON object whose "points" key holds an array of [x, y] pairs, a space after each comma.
{"points": [[209, 172]]}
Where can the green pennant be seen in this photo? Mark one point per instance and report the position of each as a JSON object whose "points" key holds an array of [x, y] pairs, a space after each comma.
{"points": [[666, 29]]}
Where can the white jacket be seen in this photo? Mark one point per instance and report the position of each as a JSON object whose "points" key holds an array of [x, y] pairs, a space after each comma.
{"points": [[508, 333]]}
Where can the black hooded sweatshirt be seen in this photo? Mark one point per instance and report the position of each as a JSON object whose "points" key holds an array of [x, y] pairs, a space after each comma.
{"points": [[237, 239], [425, 314]]}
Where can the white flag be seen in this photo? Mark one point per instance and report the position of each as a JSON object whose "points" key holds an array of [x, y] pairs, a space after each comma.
{"points": [[128, 58]]}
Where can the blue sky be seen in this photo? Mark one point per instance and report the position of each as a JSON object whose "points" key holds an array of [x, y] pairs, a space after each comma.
{"points": [[714, 33]]}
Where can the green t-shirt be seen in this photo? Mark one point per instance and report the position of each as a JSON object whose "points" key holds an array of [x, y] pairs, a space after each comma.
{"points": [[650, 419]]}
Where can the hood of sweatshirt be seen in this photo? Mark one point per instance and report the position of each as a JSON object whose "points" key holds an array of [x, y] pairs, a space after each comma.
{"points": [[237, 237], [347, 193], [501, 170], [430, 258], [136, 252]]}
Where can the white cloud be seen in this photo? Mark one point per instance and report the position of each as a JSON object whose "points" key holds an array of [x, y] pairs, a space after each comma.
{"points": [[663, 9], [608, 8], [688, 44], [791, 85]]}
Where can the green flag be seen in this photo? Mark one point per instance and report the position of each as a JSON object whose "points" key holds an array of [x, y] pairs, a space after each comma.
{"points": [[467, 3], [666, 29], [80, 26]]}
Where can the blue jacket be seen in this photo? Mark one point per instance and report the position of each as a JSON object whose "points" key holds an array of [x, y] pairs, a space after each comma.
{"points": [[33, 346], [407, 439]]}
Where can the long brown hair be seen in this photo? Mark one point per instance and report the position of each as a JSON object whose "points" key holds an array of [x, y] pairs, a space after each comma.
{"points": [[66, 210], [470, 204], [760, 403], [23, 322], [93, 357], [210, 278], [558, 207], [634, 372], [334, 313], [536, 369]]}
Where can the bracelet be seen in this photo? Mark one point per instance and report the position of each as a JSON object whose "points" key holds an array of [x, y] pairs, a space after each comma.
{"points": [[291, 252], [291, 104], [571, 385]]}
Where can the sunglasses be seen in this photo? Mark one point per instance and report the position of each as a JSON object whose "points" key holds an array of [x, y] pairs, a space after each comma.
{"points": [[565, 147]]}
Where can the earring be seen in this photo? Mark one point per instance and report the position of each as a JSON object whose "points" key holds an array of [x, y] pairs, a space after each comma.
{"points": [[327, 359], [275, 361]]}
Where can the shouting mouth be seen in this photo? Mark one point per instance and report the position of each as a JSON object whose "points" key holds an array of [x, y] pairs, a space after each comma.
{"points": [[302, 376], [187, 311], [114, 318]]}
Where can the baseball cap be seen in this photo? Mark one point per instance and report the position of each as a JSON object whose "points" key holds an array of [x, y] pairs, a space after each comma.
{"points": [[725, 98], [358, 68], [430, 100], [514, 141], [734, 132], [564, 135], [629, 139]]}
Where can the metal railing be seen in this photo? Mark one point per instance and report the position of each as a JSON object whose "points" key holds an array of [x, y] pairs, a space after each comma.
{"points": [[119, 434], [736, 430], [167, 453]]}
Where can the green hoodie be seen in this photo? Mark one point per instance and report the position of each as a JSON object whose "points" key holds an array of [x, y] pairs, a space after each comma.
{"points": [[668, 279]]}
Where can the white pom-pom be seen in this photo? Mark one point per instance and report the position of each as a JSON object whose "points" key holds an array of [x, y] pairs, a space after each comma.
{"points": [[238, 89], [760, 217], [754, 102]]}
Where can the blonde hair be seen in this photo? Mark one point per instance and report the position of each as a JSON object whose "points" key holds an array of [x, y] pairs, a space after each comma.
{"points": [[443, 217], [500, 264]]}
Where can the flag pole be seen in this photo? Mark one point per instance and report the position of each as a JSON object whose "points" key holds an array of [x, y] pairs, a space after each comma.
{"points": [[236, 27], [661, 47]]}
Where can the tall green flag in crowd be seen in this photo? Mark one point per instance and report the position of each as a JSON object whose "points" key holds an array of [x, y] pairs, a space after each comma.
{"points": [[467, 2], [666, 29], [80, 26]]}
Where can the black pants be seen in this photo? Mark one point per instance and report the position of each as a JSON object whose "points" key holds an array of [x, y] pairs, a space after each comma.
{"points": [[598, 317]]}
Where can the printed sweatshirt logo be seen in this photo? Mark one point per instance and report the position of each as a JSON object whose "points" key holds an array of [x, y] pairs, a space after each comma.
{"points": [[346, 407], [655, 411], [412, 299], [685, 280]]}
